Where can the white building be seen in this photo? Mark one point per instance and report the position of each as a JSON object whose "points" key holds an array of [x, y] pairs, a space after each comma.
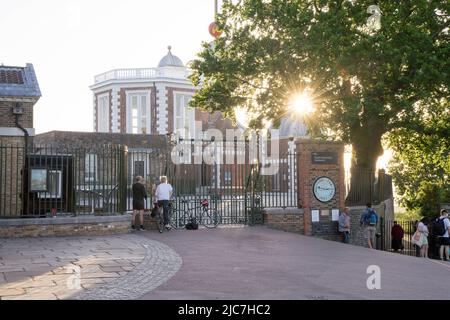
{"points": [[148, 100]]}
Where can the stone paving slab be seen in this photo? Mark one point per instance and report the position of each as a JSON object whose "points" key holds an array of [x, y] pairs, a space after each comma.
{"points": [[111, 267]]}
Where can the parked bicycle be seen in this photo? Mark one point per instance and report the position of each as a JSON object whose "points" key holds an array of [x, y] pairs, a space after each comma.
{"points": [[208, 217]]}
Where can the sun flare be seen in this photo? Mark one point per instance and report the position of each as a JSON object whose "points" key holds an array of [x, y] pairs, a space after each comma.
{"points": [[301, 104]]}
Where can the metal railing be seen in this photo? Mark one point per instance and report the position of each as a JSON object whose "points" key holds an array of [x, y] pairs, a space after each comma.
{"points": [[364, 186], [58, 180], [141, 73], [44, 180]]}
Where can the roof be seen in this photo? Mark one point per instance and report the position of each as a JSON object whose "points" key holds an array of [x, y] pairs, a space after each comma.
{"points": [[170, 60], [90, 139], [18, 82]]}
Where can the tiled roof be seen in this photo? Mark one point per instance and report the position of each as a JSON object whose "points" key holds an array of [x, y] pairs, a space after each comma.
{"points": [[11, 75], [19, 82]]}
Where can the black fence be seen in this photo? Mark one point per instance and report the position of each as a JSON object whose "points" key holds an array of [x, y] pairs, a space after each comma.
{"points": [[48, 181], [221, 172], [363, 186], [388, 243]]}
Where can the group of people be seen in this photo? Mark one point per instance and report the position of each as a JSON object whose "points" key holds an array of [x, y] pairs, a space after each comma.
{"points": [[434, 234], [368, 220], [161, 197], [426, 233]]}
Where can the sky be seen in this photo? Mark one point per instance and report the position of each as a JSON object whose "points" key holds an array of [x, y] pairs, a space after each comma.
{"points": [[70, 41]]}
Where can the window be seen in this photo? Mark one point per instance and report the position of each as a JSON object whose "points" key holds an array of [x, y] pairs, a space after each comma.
{"points": [[227, 177], [53, 185], [276, 182], [103, 113], [184, 117], [138, 112], [139, 168], [90, 167]]}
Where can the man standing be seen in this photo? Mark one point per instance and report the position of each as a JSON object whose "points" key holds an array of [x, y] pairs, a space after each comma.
{"points": [[368, 221], [139, 197], [164, 193], [442, 230], [344, 225], [397, 234]]}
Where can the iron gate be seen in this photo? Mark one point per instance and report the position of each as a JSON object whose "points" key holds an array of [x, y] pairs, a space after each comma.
{"points": [[220, 172]]}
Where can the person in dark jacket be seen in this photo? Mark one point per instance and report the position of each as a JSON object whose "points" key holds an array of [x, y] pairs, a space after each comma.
{"points": [[139, 198], [397, 234]]}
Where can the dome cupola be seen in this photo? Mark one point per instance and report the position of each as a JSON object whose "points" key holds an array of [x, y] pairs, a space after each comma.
{"points": [[169, 60]]}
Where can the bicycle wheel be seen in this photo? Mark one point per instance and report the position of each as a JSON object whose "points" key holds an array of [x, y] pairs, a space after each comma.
{"points": [[177, 219], [211, 218]]}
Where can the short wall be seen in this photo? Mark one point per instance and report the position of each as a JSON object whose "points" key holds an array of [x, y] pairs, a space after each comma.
{"points": [[384, 209], [289, 219], [64, 226]]}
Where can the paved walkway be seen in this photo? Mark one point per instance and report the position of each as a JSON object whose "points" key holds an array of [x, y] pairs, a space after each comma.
{"points": [[236, 263], [261, 263], [109, 267]]}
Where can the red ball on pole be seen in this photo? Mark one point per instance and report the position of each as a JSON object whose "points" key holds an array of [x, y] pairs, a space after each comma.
{"points": [[214, 30]]}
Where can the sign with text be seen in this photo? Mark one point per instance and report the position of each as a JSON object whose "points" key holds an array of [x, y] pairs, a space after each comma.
{"points": [[324, 157]]}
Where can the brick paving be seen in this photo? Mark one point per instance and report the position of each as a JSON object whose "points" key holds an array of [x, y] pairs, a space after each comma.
{"points": [[110, 267]]}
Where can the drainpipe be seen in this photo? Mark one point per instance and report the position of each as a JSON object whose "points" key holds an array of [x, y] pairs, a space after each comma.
{"points": [[25, 132]]}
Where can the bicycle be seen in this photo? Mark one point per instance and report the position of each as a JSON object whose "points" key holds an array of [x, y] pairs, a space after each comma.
{"points": [[209, 217]]}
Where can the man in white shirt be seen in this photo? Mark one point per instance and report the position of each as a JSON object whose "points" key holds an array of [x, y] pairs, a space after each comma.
{"points": [[164, 193], [444, 239]]}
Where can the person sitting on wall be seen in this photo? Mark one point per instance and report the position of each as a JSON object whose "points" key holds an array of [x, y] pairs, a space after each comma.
{"points": [[344, 225], [368, 221], [397, 234]]}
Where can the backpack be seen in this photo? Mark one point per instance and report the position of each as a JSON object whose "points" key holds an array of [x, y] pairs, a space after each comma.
{"points": [[439, 227], [371, 218], [192, 224]]}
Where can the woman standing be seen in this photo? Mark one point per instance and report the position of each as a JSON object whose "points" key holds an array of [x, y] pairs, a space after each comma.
{"points": [[423, 229]]}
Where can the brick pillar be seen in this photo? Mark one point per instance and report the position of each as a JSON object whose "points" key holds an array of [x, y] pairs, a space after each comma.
{"points": [[320, 159]]}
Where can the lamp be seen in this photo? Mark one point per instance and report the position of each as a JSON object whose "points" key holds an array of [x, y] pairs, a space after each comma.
{"points": [[17, 109]]}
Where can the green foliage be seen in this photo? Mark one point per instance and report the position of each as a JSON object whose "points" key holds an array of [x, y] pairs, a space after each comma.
{"points": [[410, 215], [421, 161], [364, 83]]}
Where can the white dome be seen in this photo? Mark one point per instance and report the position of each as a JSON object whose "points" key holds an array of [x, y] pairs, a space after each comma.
{"points": [[170, 60], [292, 128]]}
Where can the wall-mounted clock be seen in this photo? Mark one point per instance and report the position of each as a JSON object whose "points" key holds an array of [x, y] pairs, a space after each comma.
{"points": [[324, 189]]}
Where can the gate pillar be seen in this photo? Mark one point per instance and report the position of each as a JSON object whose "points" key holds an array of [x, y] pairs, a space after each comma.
{"points": [[321, 189]]}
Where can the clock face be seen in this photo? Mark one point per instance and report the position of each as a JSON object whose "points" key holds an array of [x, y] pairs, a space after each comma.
{"points": [[324, 189]]}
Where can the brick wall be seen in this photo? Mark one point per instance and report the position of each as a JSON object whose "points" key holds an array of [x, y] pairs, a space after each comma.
{"points": [[284, 219], [356, 231], [7, 119], [307, 174], [83, 226], [11, 165]]}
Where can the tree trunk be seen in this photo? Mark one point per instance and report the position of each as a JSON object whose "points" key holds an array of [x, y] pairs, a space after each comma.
{"points": [[367, 148]]}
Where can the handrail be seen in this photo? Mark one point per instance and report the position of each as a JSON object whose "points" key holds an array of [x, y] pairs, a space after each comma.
{"points": [[142, 73]]}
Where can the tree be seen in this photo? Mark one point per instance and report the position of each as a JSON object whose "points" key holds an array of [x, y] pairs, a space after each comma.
{"points": [[421, 161], [364, 83]]}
